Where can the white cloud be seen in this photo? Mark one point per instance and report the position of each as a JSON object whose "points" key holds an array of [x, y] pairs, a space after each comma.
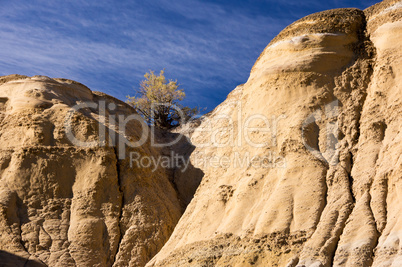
{"points": [[108, 45]]}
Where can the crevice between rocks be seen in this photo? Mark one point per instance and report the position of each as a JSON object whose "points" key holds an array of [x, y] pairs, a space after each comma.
{"points": [[116, 154], [22, 217], [377, 237], [365, 60], [350, 178]]}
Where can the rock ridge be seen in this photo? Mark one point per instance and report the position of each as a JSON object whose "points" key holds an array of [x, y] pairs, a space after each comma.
{"points": [[300, 166], [336, 84], [64, 204]]}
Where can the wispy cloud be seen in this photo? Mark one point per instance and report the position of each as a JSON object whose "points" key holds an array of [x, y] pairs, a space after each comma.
{"points": [[108, 45]]}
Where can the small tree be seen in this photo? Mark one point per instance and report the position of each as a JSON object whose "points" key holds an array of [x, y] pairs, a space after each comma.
{"points": [[157, 101]]}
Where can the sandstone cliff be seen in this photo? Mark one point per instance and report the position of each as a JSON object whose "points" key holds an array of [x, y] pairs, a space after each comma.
{"points": [[300, 166], [319, 119], [66, 201]]}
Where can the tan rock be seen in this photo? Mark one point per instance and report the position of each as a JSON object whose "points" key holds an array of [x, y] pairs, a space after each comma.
{"points": [[300, 166], [328, 91], [66, 203]]}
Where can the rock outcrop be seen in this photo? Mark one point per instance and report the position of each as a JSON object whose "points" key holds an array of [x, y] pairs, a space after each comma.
{"points": [[302, 164], [68, 194]]}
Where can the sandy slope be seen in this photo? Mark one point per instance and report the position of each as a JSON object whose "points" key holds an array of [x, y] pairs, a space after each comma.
{"points": [[69, 204], [328, 91]]}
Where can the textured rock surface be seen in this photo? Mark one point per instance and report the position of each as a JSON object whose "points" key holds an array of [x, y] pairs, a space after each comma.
{"points": [[328, 93], [300, 166], [68, 205]]}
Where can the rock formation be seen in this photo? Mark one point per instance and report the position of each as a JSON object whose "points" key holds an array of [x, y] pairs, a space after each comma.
{"points": [[66, 203], [300, 166]]}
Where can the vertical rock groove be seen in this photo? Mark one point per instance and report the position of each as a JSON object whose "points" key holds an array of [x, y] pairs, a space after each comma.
{"points": [[116, 154]]}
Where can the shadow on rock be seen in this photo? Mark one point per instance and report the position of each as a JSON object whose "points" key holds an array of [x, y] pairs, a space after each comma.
{"points": [[11, 260]]}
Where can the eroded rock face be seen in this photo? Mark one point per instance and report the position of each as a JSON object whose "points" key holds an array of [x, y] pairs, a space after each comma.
{"points": [[320, 115], [300, 166], [70, 197]]}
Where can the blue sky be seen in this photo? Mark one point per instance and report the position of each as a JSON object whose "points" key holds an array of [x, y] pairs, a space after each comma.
{"points": [[208, 46]]}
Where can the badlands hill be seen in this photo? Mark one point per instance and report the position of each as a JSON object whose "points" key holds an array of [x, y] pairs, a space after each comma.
{"points": [[68, 194], [300, 166], [320, 115]]}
